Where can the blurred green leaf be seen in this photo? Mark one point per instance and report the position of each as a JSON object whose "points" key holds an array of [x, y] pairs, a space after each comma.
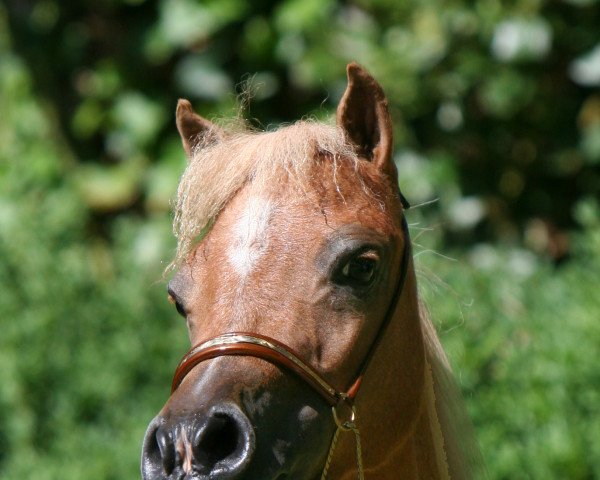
{"points": [[108, 189], [505, 94], [590, 143], [201, 78], [138, 116]]}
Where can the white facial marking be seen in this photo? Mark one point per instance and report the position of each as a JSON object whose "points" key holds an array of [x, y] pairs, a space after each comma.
{"points": [[250, 235], [279, 450], [306, 415], [184, 448], [258, 405]]}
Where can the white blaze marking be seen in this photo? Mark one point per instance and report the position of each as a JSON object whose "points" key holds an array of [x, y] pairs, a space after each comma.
{"points": [[250, 235]]}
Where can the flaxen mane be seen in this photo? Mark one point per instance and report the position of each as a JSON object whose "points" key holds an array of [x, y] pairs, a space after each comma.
{"points": [[452, 431]]}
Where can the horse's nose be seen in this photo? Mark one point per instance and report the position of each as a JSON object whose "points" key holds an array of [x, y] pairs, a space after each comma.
{"points": [[218, 444]]}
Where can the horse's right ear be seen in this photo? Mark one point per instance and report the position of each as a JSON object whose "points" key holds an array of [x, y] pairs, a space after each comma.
{"points": [[363, 115], [194, 129]]}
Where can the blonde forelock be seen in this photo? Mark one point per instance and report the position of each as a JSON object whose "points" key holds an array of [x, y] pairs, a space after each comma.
{"points": [[217, 171]]}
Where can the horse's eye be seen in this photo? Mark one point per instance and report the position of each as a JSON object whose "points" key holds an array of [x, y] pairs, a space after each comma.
{"points": [[359, 270], [178, 305]]}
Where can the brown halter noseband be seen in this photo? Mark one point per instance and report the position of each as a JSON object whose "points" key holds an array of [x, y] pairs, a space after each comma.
{"points": [[275, 352]]}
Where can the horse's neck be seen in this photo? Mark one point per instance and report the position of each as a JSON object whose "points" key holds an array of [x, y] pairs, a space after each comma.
{"points": [[417, 454], [401, 433]]}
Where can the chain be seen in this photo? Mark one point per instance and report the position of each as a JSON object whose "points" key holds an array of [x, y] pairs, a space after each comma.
{"points": [[347, 426], [330, 454]]}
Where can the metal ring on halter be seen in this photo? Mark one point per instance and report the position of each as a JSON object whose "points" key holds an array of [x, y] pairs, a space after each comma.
{"points": [[349, 424], [345, 426]]}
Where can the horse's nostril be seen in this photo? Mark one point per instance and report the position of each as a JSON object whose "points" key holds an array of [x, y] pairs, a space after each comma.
{"points": [[158, 454], [225, 442], [167, 450], [219, 439], [220, 445]]}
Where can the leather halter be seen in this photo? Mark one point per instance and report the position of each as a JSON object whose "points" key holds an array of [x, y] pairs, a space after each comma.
{"points": [[273, 351]]}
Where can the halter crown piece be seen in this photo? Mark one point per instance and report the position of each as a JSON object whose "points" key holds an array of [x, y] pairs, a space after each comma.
{"points": [[273, 351]]}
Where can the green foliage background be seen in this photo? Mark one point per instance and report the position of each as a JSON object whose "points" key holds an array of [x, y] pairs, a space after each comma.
{"points": [[497, 115]]}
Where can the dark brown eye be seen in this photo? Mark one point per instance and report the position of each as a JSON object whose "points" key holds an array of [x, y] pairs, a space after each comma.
{"points": [[178, 305], [360, 270]]}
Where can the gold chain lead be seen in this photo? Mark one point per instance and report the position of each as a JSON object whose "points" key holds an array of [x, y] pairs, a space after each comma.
{"points": [[330, 454]]}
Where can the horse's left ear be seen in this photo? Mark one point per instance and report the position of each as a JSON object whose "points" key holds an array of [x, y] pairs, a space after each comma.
{"points": [[363, 115], [194, 129]]}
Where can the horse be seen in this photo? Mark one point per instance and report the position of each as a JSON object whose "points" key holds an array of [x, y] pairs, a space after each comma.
{"points": [[312, 355]]}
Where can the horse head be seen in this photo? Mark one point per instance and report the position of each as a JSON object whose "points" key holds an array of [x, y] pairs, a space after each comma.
{"points": [[295, 238]]}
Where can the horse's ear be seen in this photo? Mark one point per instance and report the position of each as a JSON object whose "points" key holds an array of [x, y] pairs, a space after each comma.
{"points": [[363, 115], [193, 128]]}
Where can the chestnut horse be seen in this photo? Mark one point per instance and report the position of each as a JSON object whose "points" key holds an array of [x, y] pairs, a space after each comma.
{"points": [[312, 357]]}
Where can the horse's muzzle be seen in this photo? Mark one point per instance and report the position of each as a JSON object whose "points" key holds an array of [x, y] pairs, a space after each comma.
{"points": [[216, 444]]}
